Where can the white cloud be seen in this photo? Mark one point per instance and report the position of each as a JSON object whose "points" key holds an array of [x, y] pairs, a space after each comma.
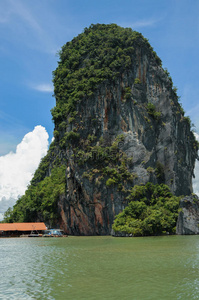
{"points": [[28, 24], [196, 172], [17, 169], [45, 87], [142, 23], [20, 10]]}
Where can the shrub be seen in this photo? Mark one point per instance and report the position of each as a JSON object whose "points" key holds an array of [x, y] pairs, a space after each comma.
{"points": [[153, 210], [127, 93], [187, 120], [150, 170], [72, 136], [56, 134], [137, 81], [160, 172], [111, 181], [151, 109], [40, 200], [102, 52]]}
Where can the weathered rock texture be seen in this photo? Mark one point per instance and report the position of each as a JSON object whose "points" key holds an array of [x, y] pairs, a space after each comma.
{"points": [[89, 208], [188, 219], [118, 123]]}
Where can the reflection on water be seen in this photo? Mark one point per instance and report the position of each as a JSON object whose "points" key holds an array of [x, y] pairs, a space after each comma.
{"points": [[100, 268]]}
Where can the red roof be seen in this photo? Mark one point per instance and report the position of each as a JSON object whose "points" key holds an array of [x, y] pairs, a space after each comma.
{"points": [[22, 226]]}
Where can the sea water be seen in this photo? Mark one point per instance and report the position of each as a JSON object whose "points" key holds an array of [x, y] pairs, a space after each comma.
{"points": [[100, 268]]}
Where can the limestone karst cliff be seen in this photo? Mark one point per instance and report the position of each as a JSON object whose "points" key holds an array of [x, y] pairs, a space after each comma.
{"points": [[118, 122], [188, 218]]}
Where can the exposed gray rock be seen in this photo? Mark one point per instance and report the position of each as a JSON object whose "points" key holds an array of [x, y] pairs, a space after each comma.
{"points": [[157, 145], [188, 219], [90, 208], [120, 234]]}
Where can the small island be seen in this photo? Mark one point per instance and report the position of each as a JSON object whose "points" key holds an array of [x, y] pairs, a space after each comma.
{"points": [[123, 148]]}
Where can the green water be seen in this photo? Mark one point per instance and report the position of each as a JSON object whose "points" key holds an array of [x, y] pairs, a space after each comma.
{"points": [[100, 268]]}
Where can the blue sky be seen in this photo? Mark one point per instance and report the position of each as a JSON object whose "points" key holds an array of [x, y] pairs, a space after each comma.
{"points": [[32, 32]]}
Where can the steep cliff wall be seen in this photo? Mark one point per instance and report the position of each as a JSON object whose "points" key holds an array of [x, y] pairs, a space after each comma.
{"points": [[118, 123], [188, 219]]}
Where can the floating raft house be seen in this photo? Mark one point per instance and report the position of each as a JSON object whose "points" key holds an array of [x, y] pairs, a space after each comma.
{"points": [[17, 229]]}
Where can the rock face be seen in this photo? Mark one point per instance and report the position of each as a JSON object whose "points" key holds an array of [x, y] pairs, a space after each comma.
{"points": [[142, 105], [188, 219], [118, 123]]}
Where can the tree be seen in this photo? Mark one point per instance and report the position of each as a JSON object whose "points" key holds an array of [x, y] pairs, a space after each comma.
{"points": [[152, 210]]}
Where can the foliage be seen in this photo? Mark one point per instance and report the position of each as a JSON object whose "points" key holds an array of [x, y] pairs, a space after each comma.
{"points": [[127, 92], [56, 134], [150, 170], [40, 200], [41, 171], [111, 162], [111, 181], [160, 172], [153, 210], [72, 136], [168, 75], [187, 120], [151, 109], [102, 52], [180, 109], [137, 81]]}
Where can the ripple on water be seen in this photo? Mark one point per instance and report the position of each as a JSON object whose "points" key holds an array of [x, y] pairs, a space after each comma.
{"points": [[100, 268]]}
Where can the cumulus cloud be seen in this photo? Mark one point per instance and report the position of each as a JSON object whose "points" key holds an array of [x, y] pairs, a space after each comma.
{"points": [[17, 169], [196, 172]]}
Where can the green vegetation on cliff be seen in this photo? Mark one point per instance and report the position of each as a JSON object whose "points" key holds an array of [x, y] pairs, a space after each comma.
{"points": [[105, 164], [40, 200], [102, 52], [153, 210], [111, 132]]}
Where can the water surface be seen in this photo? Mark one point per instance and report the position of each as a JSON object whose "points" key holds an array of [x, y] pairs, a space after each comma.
{"points": [[100, 268]]}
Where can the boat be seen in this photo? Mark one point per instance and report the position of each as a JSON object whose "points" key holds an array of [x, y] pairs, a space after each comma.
{"points": [[54, 233], [35, 234]]}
